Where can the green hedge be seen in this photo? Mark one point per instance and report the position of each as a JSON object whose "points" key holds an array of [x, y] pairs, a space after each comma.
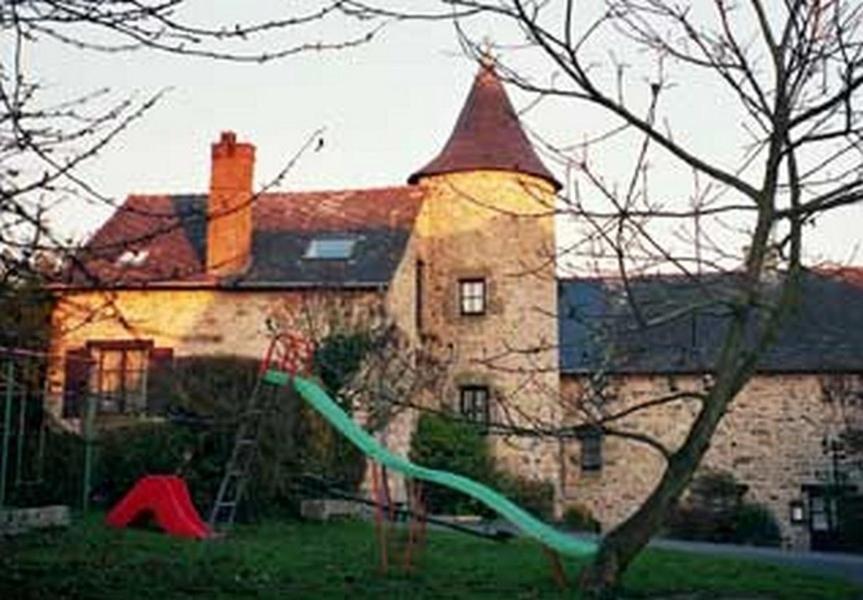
{"points": [[209, 394], [447, 444], [450, 444]]}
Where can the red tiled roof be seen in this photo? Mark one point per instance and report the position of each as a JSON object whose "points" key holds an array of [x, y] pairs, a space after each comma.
{"points": [[170, 231], [852, 275], [342, 210], [143, 224], [487, 135]]}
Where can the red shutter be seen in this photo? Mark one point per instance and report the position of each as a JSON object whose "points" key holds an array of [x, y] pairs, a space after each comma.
{"points": [[77, 368], [161, 363]]}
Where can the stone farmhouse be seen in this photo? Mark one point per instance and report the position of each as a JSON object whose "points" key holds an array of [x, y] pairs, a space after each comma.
{"points": [[464, 253]]}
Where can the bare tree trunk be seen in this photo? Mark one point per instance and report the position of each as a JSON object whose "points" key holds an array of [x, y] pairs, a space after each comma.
{"points": [[623, 543]]}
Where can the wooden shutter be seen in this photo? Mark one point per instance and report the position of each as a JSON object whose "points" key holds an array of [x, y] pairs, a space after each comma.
{"points": [[77, 381], [161, 363]]}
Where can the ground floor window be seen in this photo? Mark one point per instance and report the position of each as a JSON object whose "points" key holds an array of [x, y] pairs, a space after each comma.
{"points": [[119, 377], [591, 450], [115, 375], [474, 404]]}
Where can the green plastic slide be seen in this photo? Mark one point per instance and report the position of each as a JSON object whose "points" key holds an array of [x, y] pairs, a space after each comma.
{"points": [[530, 525]]}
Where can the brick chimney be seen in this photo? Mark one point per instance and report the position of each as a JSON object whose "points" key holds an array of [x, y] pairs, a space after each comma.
{"points": [[229, 209]]}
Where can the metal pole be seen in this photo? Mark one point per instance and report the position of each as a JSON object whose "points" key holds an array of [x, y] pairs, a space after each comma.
{"points": [[89, 415], [43, 415], [7, 426], [22, 427]]}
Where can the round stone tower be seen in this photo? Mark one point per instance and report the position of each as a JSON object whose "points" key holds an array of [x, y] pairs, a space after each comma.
{"points": [[486, 271]]}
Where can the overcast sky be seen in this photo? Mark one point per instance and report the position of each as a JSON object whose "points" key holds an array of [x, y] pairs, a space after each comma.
{"points": [[386, 107]]}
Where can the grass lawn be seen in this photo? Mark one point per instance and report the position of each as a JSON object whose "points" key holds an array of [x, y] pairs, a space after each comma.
{"points": [[303, 560]]}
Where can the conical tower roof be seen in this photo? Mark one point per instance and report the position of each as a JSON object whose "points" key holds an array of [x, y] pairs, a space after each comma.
{"points": [[487, 135]]}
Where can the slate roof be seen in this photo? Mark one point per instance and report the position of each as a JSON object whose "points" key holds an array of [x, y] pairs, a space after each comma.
{"points": [[598, 328], [164, 240], [487, 135]]}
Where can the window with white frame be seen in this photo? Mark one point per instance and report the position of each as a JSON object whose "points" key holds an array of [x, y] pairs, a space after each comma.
{"points": [[472, 296]]}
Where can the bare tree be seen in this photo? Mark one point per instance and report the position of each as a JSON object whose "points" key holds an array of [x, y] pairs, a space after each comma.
{"points": [[45, 142], [788, 75]]}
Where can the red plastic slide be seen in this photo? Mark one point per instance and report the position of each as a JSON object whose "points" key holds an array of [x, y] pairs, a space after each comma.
{"points": [[167, 498]]}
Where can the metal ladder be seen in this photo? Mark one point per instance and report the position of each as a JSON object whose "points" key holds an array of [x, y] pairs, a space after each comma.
{"points": [[287, 354], [243, 455]]}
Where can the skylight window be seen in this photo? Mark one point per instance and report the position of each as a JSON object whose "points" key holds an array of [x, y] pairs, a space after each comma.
{"points": [[333, 248]]}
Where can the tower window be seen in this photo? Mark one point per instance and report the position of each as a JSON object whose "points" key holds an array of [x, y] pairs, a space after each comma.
{"points": [[472, 296], [419, 275], [474, 405]]}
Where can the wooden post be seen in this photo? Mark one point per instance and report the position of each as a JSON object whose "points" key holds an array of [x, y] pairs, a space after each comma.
{"points": [[557, 571], [421, 510], [410, 490], [88, 434], [380, 525], [388, 495], [7, 426], [22, 432]]}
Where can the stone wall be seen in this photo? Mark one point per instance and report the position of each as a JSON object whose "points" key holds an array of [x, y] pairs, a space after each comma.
{"points": [[193, 322], [772, 440]]}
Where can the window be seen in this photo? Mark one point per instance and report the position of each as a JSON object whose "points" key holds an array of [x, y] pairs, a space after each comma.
{"points": [[821, 513], [591, 450], [119, 376], [331, 248], [472, 296], [473, 404], [116, 375], [419, 275]]}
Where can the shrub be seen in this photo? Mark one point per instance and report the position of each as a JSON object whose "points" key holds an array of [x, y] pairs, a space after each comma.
{"points": [[339, 357], [207, 395], [714, 511], [755, 524], [580, 518], [443, 442], [124, 455], [62, 472], [535, 496]]}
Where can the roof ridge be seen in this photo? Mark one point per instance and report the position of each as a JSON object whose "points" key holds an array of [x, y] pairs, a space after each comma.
{"points": [[358, 190], [374, 189]]}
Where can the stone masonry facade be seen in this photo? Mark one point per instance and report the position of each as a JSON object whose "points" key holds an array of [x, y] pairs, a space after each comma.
{"points": [[497, 227], [772, 440]]}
